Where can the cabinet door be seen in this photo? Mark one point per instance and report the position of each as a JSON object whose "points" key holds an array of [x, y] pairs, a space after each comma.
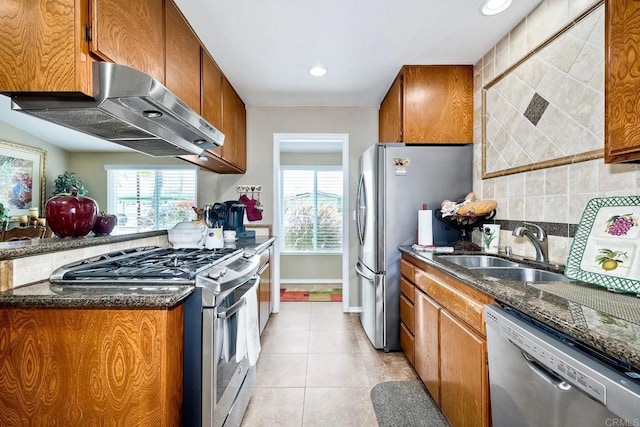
{"points": [[426, 345], [464, 392], [212, 95], [622, 81], [183, 58], [229, 121], [390, 115], [130, 33], [91, 367], [438, 104], [43, 46], [241, 135]]}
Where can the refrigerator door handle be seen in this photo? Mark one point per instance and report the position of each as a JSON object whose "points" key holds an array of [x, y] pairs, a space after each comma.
{"points": [[362, 273], [361, 213]]}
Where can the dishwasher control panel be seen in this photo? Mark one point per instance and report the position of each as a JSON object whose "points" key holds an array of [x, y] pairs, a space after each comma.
{"points": [[551, 360]]}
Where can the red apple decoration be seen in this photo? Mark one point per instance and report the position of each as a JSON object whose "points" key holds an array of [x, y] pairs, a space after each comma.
{"points": [[105, 224], [71, 216]]}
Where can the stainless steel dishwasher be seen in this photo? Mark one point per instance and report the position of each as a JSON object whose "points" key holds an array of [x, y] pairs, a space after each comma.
{"points": [[541, 378]]}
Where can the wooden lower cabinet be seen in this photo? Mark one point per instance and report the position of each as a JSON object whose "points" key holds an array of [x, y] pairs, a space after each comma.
{"points": [[91, 367], [427, 346], [449, 343], [464, 375]]}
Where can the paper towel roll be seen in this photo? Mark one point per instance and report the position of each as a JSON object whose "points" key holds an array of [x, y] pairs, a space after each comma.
{"points": [[425, 227]]}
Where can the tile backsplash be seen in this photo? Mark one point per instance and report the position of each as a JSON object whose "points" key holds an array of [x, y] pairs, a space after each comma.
{"points": [[553, 195]]}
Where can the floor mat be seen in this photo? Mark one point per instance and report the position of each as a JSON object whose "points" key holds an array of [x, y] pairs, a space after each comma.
{"points": [[405, 403], [329, 295]]}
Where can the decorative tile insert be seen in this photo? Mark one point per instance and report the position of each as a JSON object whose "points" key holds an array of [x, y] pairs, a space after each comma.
{"points": [[536, 109]]}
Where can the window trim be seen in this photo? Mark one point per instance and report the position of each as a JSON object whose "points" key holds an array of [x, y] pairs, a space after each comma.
{"points": [[315, 168]]}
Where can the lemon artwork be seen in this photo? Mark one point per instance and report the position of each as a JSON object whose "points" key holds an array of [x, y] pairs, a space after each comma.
{"points": [[609, 260]]}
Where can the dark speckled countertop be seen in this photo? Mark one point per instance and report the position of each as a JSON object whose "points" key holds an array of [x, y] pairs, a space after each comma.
{"points": [[40, 295], [606, 321]]}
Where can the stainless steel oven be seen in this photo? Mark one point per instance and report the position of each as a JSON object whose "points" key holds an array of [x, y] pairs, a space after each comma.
{"points": [[227, 379], [217, 385]]}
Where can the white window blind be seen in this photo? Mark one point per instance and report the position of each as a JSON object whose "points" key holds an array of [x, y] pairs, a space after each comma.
{"points": [[311, 206], [151, 198]]}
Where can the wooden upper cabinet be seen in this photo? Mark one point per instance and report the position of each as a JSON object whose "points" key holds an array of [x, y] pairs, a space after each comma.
{"points": [[241, 135], [130, 33], [436, 106], [229, 120], [212, 94], [182, 58], [622, 81], [390, 117], [43, 46]]}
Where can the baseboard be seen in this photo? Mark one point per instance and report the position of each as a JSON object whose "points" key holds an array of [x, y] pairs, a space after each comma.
{"points": [[355, 309]]}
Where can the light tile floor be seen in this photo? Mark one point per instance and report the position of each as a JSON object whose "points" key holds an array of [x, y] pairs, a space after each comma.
{"points": [[317, 368]]}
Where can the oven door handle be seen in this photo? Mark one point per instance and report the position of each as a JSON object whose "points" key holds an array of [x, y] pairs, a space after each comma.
{"points": [[238, 305]]}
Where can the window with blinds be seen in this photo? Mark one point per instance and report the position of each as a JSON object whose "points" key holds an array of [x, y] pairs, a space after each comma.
{"points": [[151, 198], [311, 206]]}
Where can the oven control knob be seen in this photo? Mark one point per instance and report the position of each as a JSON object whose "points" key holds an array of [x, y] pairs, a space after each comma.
{"points": [[248, 253], [216, 272], [223, 270]]}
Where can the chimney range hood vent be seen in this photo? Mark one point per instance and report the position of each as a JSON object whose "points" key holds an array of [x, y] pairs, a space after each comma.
{"points": [[129, 108]]}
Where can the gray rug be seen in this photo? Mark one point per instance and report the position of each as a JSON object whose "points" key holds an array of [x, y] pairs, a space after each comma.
{"points": [[405, 403]]}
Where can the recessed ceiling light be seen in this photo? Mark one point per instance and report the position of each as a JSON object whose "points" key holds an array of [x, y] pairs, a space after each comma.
{"points": [[493, 7], [317, 71]]}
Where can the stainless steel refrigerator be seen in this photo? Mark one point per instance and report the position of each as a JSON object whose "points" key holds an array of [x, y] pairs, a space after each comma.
{"points": [[395, 180]]}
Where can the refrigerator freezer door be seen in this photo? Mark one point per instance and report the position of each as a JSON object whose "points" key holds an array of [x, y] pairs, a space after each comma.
{"points": [[372, 315], [367, 215]]}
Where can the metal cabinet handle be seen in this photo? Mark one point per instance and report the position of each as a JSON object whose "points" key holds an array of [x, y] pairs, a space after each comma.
{"points": [[545, 374], [262, 269]]}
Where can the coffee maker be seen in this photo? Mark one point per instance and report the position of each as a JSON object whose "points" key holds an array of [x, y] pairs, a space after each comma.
{"points": [[235, 219]]}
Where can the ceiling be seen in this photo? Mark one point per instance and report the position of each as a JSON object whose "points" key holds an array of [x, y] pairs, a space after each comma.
{"points": [[265, 48]]}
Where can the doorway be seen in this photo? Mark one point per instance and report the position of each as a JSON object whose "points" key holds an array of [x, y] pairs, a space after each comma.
{"points": [[311, 248]]}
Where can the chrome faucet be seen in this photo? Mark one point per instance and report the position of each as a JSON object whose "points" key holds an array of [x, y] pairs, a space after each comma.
{"points": [[538, 237]]}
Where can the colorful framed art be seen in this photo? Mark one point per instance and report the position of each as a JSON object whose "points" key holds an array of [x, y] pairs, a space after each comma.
{"points": [[22, 178]]}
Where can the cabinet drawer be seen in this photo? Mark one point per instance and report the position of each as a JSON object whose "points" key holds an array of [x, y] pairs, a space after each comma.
{"points": [[406, 342], [406, 312], [407, 270], [461, 305], [406, 289]]}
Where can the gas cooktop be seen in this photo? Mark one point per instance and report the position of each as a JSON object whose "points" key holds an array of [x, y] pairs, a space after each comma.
{"points": [[146, 264]]}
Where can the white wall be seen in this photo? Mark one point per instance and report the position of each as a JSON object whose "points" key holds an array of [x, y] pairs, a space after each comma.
{"points": [[57, 160], [557, 194], [361, 123]]}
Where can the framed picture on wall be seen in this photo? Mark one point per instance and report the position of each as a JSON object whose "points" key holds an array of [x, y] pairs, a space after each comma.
{"points": [[21, 178]]}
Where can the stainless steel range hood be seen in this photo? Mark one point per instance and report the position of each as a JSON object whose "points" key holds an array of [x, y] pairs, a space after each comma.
{"points": [[129, 108]]}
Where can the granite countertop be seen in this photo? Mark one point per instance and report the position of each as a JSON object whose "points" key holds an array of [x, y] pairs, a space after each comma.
{"points": [[24, 248], [40, 295], [606, 321]]}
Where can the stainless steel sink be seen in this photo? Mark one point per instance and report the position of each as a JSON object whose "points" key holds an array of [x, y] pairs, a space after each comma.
{"points": [[522, 274], [475, 261]]}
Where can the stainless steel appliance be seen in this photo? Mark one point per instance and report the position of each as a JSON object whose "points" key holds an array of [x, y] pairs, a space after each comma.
{"points": [[129, 108], [539, 377], [395, 181], [217, 385]]}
